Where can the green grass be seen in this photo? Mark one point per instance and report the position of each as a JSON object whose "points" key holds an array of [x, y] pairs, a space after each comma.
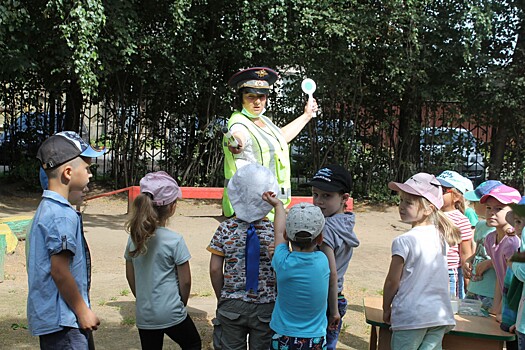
{"points": [[124, 292], [344, 327], [128, 321], [15, 326]]}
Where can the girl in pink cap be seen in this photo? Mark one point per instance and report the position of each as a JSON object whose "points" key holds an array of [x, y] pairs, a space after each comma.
{"points": [[501, 244], [157, 266], [416, 298]]}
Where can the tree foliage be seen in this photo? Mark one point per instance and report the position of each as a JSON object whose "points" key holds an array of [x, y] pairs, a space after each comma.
{"points": [[160, 68]]}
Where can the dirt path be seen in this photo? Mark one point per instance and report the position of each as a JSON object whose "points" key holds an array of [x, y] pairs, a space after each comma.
{"points": [[111, 298]]}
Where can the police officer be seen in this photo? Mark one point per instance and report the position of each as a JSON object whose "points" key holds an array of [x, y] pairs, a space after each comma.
{"points": [[259, 139]]}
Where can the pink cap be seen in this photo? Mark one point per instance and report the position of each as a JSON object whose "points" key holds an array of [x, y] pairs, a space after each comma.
{"points": [[162, 187], [503, 194], [423, 185]]}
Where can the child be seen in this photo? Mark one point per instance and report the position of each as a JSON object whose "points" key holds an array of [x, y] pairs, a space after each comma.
{"points": [[502, 243], [240, 265], [509, 308], [454, 185], [331, 187], [59, 269], [518, 268], [75, 198], [470, 213], [478, 267], [157, 266], [416, 299], [299, 317]]}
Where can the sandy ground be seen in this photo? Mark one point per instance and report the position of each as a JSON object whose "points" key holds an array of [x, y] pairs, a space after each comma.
{"points": [[113, 302]]}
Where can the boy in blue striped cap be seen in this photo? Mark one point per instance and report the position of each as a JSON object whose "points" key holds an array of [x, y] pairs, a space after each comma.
{"points": [[58, 260]]}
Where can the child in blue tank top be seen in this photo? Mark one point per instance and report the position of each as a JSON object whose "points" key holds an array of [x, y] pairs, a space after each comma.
{"points": [[299, 317]]}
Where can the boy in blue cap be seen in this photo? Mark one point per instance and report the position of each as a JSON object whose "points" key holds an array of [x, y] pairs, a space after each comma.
{"points": [[59, 274]]}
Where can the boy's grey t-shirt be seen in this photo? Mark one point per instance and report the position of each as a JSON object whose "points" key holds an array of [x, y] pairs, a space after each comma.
{"points": [[159, 304], [338, 234]]}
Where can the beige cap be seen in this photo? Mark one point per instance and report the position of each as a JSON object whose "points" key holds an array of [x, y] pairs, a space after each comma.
{"points": [[304, 217]]}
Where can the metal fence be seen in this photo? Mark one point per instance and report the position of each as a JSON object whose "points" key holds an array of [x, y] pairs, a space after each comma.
{"points": [[143, 137]]}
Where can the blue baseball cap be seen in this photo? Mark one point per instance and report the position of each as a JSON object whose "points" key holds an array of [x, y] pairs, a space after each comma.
{"points": [[44, 181], [483, 189]]}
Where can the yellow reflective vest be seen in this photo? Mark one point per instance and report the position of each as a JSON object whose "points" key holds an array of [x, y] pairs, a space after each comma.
{"points": [[271, 151]]}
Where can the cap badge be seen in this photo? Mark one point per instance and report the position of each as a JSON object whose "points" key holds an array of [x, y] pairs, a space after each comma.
{"points": [[261, 73]]}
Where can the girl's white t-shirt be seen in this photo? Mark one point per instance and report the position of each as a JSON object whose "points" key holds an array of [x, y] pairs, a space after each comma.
{"points": [[423, 298]]}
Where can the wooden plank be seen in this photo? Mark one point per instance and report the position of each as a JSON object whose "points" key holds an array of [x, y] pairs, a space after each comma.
{"points": [[207, 193], [470, 332], [202, 192]]}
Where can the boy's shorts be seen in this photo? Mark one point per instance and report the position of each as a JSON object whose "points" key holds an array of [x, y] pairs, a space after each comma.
{"points": [[236, 319], [68, 339], [282, 342]]}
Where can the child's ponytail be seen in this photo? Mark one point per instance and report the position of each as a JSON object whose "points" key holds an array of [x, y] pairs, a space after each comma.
{"points": [[143, 223], [459, 203], [450, 232]]}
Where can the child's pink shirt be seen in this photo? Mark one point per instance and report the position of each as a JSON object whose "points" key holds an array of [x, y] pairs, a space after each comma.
{"points": [[499, 253]]}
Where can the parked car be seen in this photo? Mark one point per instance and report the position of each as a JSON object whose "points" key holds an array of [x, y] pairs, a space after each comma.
{"points": [[328, 137], [449, 148], [23, 135]]}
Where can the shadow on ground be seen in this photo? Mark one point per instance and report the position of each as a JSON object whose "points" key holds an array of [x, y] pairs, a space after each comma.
{"points": [[110, 221], [353, 341], [110, 336]]}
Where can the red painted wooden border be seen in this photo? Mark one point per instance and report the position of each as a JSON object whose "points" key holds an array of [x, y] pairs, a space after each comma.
{"points": [[204, 193]]}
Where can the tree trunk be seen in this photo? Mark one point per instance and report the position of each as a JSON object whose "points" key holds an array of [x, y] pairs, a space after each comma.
{"points": [[506, 118], [407, 155], [497, 151], [74, 99]]}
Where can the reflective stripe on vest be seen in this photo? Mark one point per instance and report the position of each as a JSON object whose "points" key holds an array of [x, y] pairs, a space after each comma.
{"points": [[271, 151]]}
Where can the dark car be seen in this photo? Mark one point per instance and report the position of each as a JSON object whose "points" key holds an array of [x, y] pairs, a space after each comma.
{"points": [[446, 148], [24, 134]]}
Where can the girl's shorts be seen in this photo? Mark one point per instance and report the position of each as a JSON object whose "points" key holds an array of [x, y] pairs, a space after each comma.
{"points": [[282, 342]]}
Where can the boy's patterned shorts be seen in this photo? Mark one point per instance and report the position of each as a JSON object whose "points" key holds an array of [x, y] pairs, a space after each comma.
{"points": [[282, 342]]}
